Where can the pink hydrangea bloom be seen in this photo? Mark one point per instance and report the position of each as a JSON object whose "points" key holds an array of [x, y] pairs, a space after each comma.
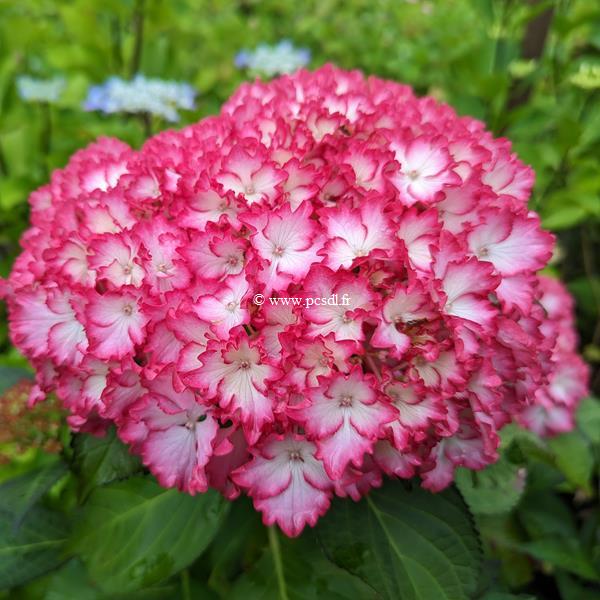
{"points": [[133, 296]]}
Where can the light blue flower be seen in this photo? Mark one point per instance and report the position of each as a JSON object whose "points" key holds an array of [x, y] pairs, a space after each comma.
{"points": [[242, 59], [40, 90], [268, 60], [141, 95]]}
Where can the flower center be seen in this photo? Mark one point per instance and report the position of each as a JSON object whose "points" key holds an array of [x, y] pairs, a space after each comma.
{"points": [[296, 455], [231, 306], [249, 189], [128, 309], [278, 251], [193, 422], [346, 400], [413, 174], [245, 365]]}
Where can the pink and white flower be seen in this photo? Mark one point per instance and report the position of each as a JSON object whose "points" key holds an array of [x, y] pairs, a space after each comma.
{"points": [[225, 309], [286, 242], [250, 175], [513, 243], [287, 482], [345, 416], [115, 323], [344, 316], [355, 233], [425, 168], [236, 374], [115, 257], [180, 434], [215, 255], [404, 308]]}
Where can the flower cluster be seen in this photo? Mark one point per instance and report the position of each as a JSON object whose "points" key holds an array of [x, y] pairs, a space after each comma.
{"points": [[267, 60], [141, 95], [40, 90], [133, 295]]}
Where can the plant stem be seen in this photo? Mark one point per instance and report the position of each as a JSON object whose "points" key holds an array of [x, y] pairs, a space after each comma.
{"points": [[276, 552], [590, 272], [146, 119], [185, 585], [115, 27], [532, 48], [138, 32], [46, 134], [3, 163]]}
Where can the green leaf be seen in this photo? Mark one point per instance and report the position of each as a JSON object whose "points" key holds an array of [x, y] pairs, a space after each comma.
{"points": [[513, 437], [572, 589], [574, 458], [500, 534], [544, 514], [297, 569], [13, 192], [565, 553], [20, 494], [563, 218], [542, 477], [588, 419], [494, 490], [584, 290], [134, 533], [405, 543], [100, 460], [515, 434], [34, 549], [242, 534], [71, 582]]}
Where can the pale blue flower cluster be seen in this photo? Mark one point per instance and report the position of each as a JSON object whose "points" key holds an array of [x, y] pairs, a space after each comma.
{"points": [[40, 90], [281, 58], [141, 95]]}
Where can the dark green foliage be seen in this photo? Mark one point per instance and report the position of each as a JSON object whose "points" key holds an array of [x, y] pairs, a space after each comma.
{"points": [[405, 543], [32, 536], [100, 460], [134, 533]]}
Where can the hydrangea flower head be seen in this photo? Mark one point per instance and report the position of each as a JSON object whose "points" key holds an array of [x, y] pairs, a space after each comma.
{"points": [[271, 60], [141, 95], [40, 90], [402, 324]]}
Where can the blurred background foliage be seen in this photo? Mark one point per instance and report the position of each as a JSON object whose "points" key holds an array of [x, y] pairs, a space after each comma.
{"points": [[529, 69]]}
